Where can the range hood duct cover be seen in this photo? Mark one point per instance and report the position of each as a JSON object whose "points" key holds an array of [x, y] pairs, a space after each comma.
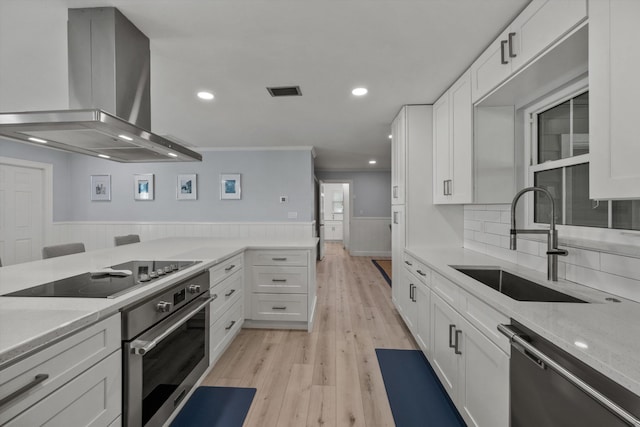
{"points": [[109, 96]]}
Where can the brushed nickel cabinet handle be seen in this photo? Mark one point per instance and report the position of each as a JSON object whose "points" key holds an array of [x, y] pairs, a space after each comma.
{"points": [[452, 328], [408, 263], [228, 294], [279, 280], [420, 272], [233, 322], [279, 307], [503, 43], [231, 267], [279, 259], [457, 342], [22, 390], [512, 54]]}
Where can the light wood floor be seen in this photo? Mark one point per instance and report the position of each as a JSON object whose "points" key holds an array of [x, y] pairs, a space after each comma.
{"points": [[329, 377]]}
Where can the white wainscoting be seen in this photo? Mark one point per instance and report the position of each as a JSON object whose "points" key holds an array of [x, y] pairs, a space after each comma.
{"points": [[99, 235], [370, 236]]}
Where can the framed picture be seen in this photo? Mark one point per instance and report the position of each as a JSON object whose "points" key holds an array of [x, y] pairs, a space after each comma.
{"points": [[101, 187], [187, 188], [230, 186], [143, 187]]}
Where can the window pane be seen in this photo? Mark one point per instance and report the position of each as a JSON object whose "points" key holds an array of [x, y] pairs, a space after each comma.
{"points": [[626, 214], [581, 124], [550, 180], [580, 210], [553, 133]]}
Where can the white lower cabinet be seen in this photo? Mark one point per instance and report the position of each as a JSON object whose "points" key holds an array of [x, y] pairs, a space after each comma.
{"points": [[282, 288], [473, 369], [227, 308], [422, 295], [76, 381], [405, 299]]}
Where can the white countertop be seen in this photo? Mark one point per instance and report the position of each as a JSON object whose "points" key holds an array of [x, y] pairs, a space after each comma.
{"points": [[611, 330], [28, 323]]}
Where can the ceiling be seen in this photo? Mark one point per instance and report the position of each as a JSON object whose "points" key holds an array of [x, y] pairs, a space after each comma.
{"points": [[403, 51]]}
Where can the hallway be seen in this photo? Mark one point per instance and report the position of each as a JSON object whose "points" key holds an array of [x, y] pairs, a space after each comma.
{"points": [[329, 377]]}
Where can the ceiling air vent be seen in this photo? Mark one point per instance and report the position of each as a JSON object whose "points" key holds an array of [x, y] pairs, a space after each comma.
{"points": [[285, 91]]}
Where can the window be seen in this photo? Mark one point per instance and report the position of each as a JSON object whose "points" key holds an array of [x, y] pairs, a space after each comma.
{"points": [[559, 162]]}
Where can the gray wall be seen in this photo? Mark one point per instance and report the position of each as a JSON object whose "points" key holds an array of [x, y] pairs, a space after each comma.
{"points": [[266, 175], [371, 191]]}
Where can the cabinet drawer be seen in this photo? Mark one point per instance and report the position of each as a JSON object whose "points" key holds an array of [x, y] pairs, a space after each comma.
{"points": [[225, 269], [61, 362], [224, 294], [225, 328], [485, 318], [92, 399], [279, 307], [447, 290], [280, 279], [298, 258], [420, 270]]}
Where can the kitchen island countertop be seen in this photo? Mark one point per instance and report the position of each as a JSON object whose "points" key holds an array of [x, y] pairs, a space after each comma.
{"points": [[28, 324]]}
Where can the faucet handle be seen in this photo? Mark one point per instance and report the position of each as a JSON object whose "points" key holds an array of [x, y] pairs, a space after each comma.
{"points": [[557, 251]]}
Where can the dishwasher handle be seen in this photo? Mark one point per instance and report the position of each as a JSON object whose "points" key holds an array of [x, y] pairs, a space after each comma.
{"points": [[524, 345]]}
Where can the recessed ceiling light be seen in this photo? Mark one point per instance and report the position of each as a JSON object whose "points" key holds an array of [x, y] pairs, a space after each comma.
{"points": [[580, 344], [125, 137], [172, 154], [207, 96], [104, 156], [359, 91], [372, 162], [390, 136], [41, 141]]}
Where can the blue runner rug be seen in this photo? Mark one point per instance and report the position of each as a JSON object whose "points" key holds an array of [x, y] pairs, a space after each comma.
{"points": [[414, 391], [384, 273], [215, 407]]}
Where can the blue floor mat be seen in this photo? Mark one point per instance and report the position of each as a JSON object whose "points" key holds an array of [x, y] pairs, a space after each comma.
{"points": [[216, 407], [414, 391]]}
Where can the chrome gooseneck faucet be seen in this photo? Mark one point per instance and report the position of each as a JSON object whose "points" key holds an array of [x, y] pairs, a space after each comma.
{"points": [[552, 233]]}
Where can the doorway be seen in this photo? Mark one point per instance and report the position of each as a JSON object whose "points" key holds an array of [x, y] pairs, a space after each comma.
{"points": [[335, 211], [24, 208]]}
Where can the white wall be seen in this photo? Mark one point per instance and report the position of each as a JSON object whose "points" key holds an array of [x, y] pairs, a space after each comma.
{"points": [[486, 230]]}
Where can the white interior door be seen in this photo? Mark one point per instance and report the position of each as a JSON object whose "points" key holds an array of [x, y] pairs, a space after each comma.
{"points": [[346, 217], [21, 213]]}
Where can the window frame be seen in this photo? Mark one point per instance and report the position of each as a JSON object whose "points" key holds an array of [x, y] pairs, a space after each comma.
{"points": [[610, 235]]}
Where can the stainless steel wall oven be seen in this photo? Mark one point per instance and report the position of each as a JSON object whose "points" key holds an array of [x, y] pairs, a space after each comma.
{"points": [[165, 350]]}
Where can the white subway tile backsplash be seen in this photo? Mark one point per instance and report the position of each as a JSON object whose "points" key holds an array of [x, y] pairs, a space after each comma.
{"points": [[496, 228], [622, 286], [487, 231], [491, 216], [532, 261], [472, 225], [583, 258], [620, 265]]}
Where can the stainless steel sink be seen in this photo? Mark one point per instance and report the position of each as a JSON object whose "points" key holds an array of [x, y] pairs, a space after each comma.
{"points": [[514, 286]]}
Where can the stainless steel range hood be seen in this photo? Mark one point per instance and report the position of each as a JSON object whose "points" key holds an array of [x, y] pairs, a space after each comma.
{"points": [[109, 97]]}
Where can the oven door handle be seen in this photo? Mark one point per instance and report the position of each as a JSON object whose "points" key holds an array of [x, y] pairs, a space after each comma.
{"points": [[143, 346]]}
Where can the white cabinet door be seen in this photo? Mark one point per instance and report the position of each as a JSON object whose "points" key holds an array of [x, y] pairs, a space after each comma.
{"points": [[614, 60], [444, 321], [461, 140], [491, 68], [453, 144], [398, 157], [484, 380], [441, 149], [422, 295], [397, 248], [542, 23]]}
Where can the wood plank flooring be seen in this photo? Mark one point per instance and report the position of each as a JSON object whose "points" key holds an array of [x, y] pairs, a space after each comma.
{"points": [[329, 377]]}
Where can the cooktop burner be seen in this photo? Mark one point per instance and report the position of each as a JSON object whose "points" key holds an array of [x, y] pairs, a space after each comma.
{"points": [[110, 282]]}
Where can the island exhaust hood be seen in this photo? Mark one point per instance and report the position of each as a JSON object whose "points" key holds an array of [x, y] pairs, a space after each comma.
{"points": [[109, 97]]}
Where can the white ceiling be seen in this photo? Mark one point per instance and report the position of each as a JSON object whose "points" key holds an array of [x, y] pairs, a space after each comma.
{"points": [[403, 51]]}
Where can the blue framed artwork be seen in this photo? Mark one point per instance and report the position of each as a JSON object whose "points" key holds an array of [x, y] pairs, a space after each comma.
{"points": [[230, 187], [143, 187]]}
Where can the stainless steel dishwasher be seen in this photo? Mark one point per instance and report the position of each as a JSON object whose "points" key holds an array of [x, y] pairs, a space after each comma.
{"points": [[550, 388]]}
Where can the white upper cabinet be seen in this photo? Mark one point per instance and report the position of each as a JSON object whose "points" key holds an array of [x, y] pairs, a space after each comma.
{"points": [[541, 24], [398, 158], [452, 144], [614, 59]]}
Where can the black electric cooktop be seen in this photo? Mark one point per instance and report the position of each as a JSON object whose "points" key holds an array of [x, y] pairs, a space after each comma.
{"points": [[101, 284]]}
